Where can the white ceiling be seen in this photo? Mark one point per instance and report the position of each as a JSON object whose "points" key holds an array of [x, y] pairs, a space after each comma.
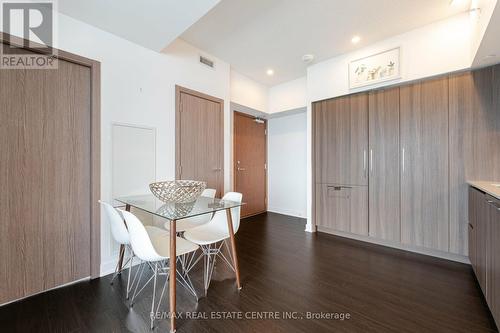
{"points": [[153, 24], [254, 35]]}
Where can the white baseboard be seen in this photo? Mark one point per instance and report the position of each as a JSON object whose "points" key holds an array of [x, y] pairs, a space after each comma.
{"points": [[285, 211], [109, 266], [409, 248], [310, 228]]}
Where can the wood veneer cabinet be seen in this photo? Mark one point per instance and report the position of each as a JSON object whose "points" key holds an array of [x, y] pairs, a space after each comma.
{"points": [[341, 138], [478, 235], [474, 99], [425, 140], [341, 173], [493, 256], [384, 189], [484, 246], [424, 164], [343, 208]]}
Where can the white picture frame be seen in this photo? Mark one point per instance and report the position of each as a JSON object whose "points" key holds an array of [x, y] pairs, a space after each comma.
{"points": [[380, 67]]}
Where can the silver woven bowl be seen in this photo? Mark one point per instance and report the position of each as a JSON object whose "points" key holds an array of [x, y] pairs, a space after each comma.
{"points": [[178, 191]]}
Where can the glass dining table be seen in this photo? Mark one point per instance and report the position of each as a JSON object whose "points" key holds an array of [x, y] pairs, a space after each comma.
{"points": [[174, 212]]}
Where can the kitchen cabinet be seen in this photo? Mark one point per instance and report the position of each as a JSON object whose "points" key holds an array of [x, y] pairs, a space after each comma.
{"points": [[341, 140], [424, 164], [384, 187], [492, 216], [484, 246], [343, 208], [479, 235], [413, 147]]}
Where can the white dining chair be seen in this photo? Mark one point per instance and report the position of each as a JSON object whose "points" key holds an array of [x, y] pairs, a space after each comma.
{"points": [[121, 236], [152, 246], [213, 235], [195, 221]]}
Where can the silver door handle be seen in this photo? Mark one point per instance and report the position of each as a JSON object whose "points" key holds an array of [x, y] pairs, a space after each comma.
{"points": [[371, 160], [403, 160], [217, 169], [241, 169], [364, 162]]}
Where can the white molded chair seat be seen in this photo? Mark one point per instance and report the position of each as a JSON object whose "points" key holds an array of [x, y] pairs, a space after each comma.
{"points": [[216, 230], [152, 243], [195, 221], [160, 240], [206, 234]]}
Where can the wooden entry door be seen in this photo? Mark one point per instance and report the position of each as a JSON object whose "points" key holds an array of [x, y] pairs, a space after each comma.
{"points": [[250, 158], [200, 138]]}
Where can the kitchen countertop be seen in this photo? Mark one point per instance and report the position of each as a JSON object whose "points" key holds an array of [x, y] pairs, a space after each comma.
{"points": [[488, 187]]}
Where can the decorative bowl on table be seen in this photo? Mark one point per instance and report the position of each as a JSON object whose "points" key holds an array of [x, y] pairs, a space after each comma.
{"points": [[178, 191]]}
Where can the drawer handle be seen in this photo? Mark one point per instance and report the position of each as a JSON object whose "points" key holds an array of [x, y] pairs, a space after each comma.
{"points": [[493, 203], [338, 188]]}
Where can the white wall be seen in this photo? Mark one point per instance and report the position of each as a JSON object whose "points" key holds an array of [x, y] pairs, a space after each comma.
{"points": [[247, 92], [431, 50], [287, 160], [138, 87], [288, 96]]}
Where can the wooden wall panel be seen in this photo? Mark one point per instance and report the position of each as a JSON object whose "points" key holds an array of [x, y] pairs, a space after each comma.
{"points": [[424, 164], [384, 189], [474, 136]]}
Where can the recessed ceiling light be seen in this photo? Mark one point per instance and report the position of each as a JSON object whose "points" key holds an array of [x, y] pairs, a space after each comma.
{"points": [[270, 72], [457, 2], [355, 39]]}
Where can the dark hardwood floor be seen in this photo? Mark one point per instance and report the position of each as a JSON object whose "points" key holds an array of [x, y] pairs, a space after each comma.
{"points": [[283, 270]]}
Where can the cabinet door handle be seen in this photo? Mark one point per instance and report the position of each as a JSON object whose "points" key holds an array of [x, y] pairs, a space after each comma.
{"points": [[403, 160], [364, 163], [371, 160], [493, 203], [338, 187]]}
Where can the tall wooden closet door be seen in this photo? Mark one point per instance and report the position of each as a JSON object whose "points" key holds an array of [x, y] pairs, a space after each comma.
{"points": [[45, 207], [424, 164], [200, 138], [384, 199]]}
